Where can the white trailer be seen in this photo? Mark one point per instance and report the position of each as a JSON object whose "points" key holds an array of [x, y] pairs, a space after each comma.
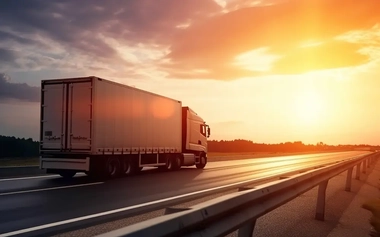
{"points": [[108, 129]]}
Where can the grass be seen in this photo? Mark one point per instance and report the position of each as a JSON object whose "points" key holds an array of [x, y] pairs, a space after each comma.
{"points": [[19, 161]]}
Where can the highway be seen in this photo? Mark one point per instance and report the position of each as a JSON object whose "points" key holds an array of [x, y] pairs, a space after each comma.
{"points": [[36, 201]]}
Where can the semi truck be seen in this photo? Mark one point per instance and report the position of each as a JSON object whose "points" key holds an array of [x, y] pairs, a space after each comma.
{"points": [[107, 129]]}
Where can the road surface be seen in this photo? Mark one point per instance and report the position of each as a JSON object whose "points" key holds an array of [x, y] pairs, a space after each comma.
{"points": [[35, 201]]}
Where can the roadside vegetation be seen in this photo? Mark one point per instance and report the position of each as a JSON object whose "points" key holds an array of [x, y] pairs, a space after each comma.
{"points": [[21, 152]]}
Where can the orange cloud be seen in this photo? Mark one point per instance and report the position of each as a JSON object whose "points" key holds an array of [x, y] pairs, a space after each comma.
{"points": [[208, 49], [329, 55]]}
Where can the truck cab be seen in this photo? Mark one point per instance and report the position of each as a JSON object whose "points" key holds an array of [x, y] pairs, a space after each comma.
{"points": [[195, 132]]}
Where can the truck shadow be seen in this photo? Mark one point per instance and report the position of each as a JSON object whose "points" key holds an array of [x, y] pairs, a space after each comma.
{"points": [[147, 173]]}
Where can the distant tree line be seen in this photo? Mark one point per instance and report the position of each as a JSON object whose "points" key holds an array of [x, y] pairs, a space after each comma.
{"points": [[18, 147], [21, 147], [240, 145]]}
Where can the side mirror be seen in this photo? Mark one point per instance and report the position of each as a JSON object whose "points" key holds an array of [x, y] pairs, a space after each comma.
{"points": [[208, 131]]}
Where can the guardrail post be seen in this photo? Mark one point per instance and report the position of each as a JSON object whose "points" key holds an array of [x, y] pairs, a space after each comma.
{"points": [[321, 201], [368, 162], [364, 167], [247, 229], [348, 180], [358, 171]]}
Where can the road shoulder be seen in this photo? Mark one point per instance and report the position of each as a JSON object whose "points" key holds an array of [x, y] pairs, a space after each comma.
{"points": [[344, 215], [355, 219]]}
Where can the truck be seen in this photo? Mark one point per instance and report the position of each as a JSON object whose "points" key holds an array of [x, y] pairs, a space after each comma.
{"points": [[107, 129]]}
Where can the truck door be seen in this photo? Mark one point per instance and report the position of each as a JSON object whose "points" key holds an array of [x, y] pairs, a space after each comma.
{"points": [[79, 120], [53, 115]]}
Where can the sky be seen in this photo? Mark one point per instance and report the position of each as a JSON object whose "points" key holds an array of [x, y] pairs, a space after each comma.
{"points": [[268, 71]]}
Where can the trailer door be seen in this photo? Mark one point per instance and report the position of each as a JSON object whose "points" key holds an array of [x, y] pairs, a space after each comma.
{"points": [[79, 121], [53, 115]]}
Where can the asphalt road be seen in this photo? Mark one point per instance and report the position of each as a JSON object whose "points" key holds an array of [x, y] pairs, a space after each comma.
{"points": [[35, 201]]}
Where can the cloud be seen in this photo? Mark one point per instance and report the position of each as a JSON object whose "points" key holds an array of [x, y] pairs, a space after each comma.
{"points": [[212, 45], [7, 55], [18, 91], [83, 34], [328, 55], [182, 39]]}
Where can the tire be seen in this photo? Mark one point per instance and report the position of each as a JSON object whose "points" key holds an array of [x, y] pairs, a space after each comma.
{"points": [[126, 166], [203, 162], [67, 174], [113, 167], [169, 166], [176, 162], [129, 167], [173, 163]]}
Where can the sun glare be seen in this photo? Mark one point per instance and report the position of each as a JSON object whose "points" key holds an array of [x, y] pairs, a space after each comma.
{"points": [[256, 60], [309, 108]]}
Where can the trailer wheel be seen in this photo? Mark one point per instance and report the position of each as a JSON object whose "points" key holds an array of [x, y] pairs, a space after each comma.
{"points": [[169, 163], [173, 163], [126, 165], [130, 167], [202, 162], [113, 167], [67, 174]]}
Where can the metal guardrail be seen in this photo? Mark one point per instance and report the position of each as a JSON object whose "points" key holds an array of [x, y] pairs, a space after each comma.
{"points": [[239, 211]]}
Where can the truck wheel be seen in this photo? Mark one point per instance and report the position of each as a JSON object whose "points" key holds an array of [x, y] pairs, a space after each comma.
{"points": [[173, 163], [169, 163], [67, 174], [130, 167], [176, 162], [126, 166], [113, 167], [202, 162]]}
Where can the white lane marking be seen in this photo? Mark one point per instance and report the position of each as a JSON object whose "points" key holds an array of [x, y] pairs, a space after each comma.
{"points": [[36, 177], [48, 189], [27, 230]]}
